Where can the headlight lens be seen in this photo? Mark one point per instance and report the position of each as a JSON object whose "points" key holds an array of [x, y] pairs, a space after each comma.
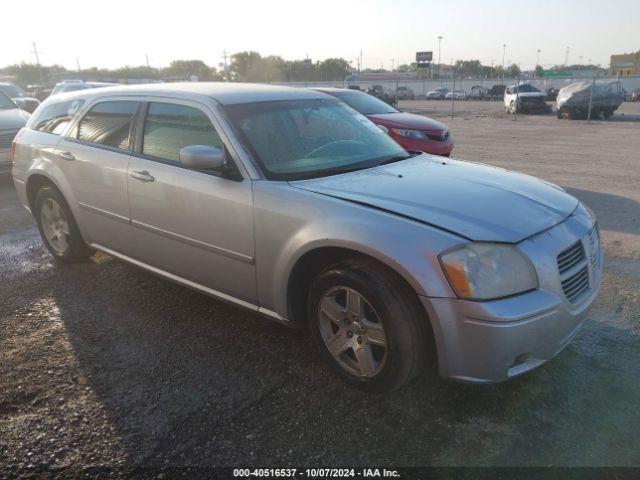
{"points": [[485, 271], [417, 134]]}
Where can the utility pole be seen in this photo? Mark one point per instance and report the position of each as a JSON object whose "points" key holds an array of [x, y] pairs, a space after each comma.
{"points": [[492, 68], [361, 66], [35, 52], [226, 68], [504, 50], [146, 57], [566, 58], [393, 63], [439, 58], [538, 58], [78, 64]]}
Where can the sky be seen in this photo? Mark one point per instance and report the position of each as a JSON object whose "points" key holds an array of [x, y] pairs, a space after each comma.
{"points": [[389, 32]]}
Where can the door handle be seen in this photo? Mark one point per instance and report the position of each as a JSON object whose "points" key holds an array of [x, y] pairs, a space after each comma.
{"points": [[66, 155], [143, 176]]}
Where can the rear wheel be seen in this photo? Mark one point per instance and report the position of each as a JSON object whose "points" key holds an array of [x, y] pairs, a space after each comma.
{"points": [[59, 231], [368, 325]]}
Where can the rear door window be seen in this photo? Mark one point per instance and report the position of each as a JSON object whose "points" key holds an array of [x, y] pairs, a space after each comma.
{"points": [[109, 124], [55, 118]]}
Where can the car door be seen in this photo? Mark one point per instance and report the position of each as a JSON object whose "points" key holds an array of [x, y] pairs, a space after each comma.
{"points": [[96, 154], [197, 225]]}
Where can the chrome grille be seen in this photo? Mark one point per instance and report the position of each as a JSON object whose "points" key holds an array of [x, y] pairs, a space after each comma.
{"points": [[6, 138], [594, 244], [570, 257], [576, 284]]}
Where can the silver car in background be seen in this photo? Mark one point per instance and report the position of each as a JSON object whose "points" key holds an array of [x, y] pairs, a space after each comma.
{"points": [[19, 97], [12, 119], [291, 204]]}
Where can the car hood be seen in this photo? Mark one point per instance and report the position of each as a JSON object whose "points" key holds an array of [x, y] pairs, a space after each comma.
{"points": [[408, 120], [13, 119], [529, 94], [476, 201]]}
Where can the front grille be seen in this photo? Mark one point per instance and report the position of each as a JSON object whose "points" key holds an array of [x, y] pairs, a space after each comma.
{"points": [[594, 243], [576, 285], [438, 137], [570, 257], [6, 138]]}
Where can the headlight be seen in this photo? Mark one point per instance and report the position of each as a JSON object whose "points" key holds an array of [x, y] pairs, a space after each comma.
{"points": [[417, 134], [485, 271]]}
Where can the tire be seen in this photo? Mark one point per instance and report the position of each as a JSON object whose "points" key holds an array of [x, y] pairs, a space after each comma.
{"points": [[58, 228], [565, 113], [389, 313]]}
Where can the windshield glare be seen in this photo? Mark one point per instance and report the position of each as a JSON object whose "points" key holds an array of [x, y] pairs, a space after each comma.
{"points": [[5, 102], [364, 103], [310, 138], [11, 91]]}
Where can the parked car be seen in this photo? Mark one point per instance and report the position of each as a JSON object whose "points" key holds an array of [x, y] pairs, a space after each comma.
{"points": [[405, 93], [379, 92], [552, 94], [19, 97], [635, 95], [75, 85], [388, 257], [12, 119], [525, 98], [413, 132], [575, 99], [456, 94], [497, 92], [478, 92], [437, 94]]}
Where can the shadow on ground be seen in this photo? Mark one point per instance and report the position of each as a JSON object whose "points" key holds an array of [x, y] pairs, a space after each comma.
{"points": [[193, 381], [614, 212]]}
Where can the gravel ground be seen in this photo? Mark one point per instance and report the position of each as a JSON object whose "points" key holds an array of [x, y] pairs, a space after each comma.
{"points": [[105, 366]]}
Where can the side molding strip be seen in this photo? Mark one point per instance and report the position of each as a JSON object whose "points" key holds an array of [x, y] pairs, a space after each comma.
{"points": [[196, 286]]}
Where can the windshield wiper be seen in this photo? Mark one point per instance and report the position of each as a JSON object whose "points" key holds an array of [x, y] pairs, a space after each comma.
{"points": [[396, 158]]}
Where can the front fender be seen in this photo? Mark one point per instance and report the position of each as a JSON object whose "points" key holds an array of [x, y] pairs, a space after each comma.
{"points": [[311, 221]]}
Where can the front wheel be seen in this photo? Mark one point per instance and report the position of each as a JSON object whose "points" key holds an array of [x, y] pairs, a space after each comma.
{"points": [[368, 325]]}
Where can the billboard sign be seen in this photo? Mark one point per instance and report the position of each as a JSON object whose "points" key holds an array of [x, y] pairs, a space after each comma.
{"points": [[423, 57]]}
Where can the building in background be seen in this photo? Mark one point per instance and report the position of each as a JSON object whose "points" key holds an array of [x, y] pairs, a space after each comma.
{"points": [[625, 64]]}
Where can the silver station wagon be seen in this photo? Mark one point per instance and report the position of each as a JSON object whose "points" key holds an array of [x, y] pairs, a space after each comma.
{"points": [[291, 204]]}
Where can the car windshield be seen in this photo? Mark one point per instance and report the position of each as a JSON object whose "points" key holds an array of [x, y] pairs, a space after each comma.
{"points": [[5, 102], [526, 87], [364, 103], [299, 139], [12, 91]]}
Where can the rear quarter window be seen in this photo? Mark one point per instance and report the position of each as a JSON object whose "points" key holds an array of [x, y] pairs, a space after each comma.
{"points": [[56, 117]]}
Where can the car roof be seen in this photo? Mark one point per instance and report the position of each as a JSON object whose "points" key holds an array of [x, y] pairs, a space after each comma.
{"points": [[226, 93], [331, 90]]}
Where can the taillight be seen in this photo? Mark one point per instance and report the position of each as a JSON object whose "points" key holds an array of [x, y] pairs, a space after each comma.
{"points": [[13, 144]]}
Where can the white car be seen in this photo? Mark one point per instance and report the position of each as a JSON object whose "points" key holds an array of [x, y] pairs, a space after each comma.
{"points": [[437, 94], [456, 94], [525, 98]]}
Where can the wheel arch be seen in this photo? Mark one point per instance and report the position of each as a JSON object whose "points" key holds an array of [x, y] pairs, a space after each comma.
{"points": [[313, 261]]}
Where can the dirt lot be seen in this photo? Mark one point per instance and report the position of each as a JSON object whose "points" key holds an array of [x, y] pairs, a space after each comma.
{"points": [[103, 365]]}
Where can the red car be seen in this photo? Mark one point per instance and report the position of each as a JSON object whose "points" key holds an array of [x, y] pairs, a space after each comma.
{"points": [[413, 132]]}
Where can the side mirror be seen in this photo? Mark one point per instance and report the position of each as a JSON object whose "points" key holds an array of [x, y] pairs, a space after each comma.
{"points": [[202, 157]]}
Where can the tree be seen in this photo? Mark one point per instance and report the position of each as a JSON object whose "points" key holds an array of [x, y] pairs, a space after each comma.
{"points": [[539, 71], [513, 71], [186, 68]]}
